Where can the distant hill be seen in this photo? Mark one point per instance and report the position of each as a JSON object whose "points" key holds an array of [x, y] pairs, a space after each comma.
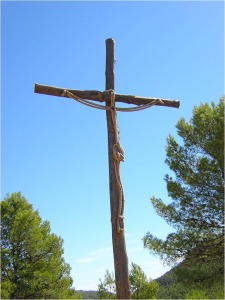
{"points": [[170, 287], [88, 294]]}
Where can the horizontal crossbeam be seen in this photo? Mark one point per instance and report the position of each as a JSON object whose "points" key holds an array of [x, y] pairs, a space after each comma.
{"points": [[103, 96]]}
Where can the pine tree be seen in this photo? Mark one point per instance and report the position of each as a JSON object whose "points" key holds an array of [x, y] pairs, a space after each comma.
{"points": [[197, 191], [32, 258]]}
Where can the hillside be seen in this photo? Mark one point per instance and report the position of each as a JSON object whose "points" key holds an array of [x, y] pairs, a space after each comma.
{"points": [[170, 287], [88, 294]]}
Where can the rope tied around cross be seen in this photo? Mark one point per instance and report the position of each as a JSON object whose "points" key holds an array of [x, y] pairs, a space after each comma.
{"points": [[118, 156], [118, 152], [103, 107]]}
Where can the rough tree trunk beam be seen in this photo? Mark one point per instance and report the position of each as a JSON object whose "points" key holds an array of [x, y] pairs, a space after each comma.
{"points": [[116, 190], [101, 96], [119, 245]]}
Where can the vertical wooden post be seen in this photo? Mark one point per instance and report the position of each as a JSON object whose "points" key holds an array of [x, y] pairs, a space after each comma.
{"points": [[118, 239]]}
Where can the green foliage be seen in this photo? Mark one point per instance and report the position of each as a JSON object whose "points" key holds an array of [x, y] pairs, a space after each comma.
{"points": [[32, 258], [170, 287], [141, 287], [88, 294], [196, 294], [107, 288], [197, 208]]}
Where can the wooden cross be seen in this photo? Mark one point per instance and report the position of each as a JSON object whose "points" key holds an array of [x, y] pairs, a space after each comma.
{"points": [[115, 153]]}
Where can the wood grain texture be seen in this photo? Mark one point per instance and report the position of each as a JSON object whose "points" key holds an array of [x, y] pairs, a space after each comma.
{"points": [[102, 96], [118, 239]]}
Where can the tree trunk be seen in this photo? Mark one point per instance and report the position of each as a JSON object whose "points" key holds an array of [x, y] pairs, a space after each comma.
{"points": [[118, 238]]}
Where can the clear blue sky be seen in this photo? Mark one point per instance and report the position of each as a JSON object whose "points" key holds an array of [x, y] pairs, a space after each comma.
{"points": [[54, 150]]}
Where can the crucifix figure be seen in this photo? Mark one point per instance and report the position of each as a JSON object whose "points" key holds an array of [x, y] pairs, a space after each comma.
{"points": [[115, 153]]}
